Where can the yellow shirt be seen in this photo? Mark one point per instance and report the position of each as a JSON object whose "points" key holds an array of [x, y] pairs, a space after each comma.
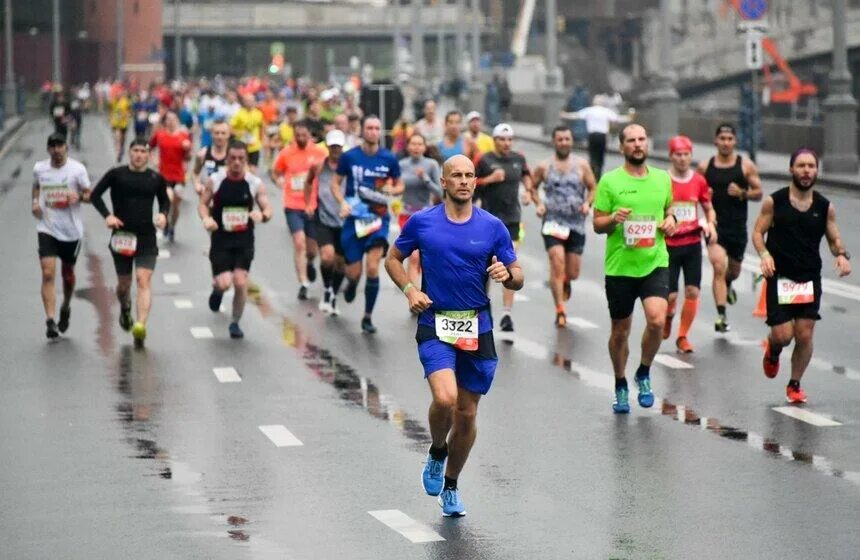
{"points": [[484, 143], [247, 125], [285, 130], [120, 112]]}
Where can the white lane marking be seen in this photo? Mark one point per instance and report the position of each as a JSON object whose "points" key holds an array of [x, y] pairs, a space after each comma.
{"points": [[226, 374], [183, 304], [521, 297], [672, 362], [526, 346], [400, 522], [172, 278], [163, 254], [806, 416], [849, 373], [581, 323], [280, 436], [202, 332]]}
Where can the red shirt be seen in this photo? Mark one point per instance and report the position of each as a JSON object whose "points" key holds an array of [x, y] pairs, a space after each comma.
{"points": [[686, 198], [171, 153]]}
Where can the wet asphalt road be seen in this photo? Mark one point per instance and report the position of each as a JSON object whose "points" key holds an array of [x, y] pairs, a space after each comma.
{"points": [[110, 452]]}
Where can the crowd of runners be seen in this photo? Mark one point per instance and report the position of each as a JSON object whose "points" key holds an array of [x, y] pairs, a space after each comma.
{"points": [[449, 194]]}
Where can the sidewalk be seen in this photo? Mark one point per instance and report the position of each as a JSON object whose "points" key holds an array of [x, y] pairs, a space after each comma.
{"points": [[771, 165], [9, 128]]}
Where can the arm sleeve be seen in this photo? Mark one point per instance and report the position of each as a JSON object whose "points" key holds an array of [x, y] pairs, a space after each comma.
{"points": [[504, 245], [98, 192], [161, 194], [372, 195], [603, 198], [407, 241]]}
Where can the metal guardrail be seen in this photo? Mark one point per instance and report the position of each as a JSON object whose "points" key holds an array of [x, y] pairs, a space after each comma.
{"points": [[196, 18]]}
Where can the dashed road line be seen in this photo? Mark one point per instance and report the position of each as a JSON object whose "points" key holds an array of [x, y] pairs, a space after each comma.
{"points": [[183, 304], [172, 278], [227, 374], [202, 332], [401, 523], [806, 416], [280, 436], [672, 362]]}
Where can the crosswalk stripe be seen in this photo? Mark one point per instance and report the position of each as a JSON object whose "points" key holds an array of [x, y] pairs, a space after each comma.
{"points": [[202, 332], [163, 254], [171, 278], [806, 416], [183, 304], [400, 522], [672, 362], [280, 436]]}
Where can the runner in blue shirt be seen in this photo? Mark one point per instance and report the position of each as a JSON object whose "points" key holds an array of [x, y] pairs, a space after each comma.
{"points": [[372, 179], [462, 247]]}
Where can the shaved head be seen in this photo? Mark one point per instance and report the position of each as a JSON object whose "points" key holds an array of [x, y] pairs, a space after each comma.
{"points": [[455, 162]]}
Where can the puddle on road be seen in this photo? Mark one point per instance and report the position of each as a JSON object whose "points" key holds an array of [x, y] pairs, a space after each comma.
{"points": [[350, 386], [690, 417]]}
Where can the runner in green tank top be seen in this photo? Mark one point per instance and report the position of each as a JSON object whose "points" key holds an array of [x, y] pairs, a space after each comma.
{"points": [[632, 208]]}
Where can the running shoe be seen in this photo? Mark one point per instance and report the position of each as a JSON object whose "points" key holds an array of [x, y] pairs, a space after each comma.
{"points": [[367, 326], [432, 477], [560, 320], [667, 327], [349, 292], [795, 396], [506, 324], [334, 310], [325, 306], [683, 345], [645, 396], [303, 293], [125, 320], [235, 330], [215, 300], [565, 291], [312, 272], [51, 331], [451, 504], [65, 315], [621, 405], [721, 325], [138, 331], [732, 296], [170, 233], [768, 363]]}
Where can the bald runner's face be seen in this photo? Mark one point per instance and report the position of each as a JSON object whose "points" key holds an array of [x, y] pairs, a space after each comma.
{"points": [[458, 179]]}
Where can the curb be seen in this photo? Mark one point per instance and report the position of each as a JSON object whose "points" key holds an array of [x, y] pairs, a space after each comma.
{"points": [[8, 132], [841, 184]]}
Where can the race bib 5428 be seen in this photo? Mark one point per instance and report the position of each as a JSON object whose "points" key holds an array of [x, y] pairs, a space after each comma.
{"points": [[640, 231], [789, 292], [124, 243], [458, 328]]}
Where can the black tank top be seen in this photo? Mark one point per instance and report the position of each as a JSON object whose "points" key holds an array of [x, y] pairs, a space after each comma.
{"points": [[794, 238], [211, 164], [730, 210], [233, 197]]}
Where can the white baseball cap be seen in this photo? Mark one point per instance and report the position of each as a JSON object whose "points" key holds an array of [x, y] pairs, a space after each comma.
{"points": [[473, 115], [503, 130], [335, 138]]}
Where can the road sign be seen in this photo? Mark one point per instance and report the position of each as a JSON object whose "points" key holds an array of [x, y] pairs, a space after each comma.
{"points": [[752, 9], [754, 51]]}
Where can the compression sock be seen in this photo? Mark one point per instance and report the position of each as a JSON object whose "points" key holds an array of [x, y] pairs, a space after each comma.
{"points": [[371, 291]]}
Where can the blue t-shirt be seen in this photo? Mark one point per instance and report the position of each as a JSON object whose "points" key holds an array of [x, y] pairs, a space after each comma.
{"points": [[454, 258], [205, 120], [366, 174]]}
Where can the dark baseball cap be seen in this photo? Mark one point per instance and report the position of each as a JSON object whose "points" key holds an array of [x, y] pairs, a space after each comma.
{"points": [[56, 139]]}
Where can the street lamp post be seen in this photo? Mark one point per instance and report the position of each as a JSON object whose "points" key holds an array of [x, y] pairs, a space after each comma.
{"points": [[9, 97], [177, 43], [57, 75], [120, 37], [840, 107], [553, 94], [418, 43], [477, 91], [440, 40], [664, 98]]}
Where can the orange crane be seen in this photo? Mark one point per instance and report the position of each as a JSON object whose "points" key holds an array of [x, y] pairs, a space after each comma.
{"points": [[796, 87]]}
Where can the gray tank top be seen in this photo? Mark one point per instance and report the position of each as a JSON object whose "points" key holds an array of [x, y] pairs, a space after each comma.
{"points": [[565, 195], [329, 209]]}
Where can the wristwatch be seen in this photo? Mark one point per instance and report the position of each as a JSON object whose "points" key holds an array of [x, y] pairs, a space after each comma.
{"points": [[845, 254]]}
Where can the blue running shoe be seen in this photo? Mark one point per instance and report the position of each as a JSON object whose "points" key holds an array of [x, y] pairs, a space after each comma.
{"points": [[621, 406], [449, 499], [432, 477], [645, 397], [235, 331]]}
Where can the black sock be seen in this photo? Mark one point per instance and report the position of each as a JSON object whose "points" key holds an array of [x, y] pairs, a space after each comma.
{"points": [[721, 310], [439, 453], [326, 272], [643, 372], [336, 281], [620, 383], [794, 384], [450, 483]]}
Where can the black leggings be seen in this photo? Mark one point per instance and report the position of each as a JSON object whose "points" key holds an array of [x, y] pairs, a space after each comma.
{"points": [[596, 152]]}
